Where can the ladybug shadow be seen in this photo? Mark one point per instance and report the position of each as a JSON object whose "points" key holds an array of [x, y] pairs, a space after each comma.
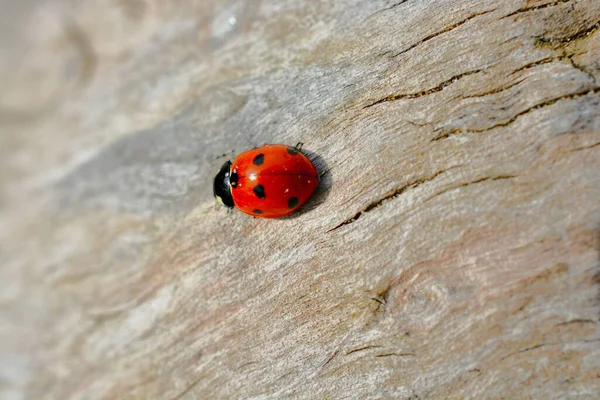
{"points": [[322, 191]]}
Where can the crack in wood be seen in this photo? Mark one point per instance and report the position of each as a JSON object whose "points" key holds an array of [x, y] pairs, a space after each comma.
{"points": [[577, 321], [188, 389], [537, 346], [547, 60], [535, 8], [378, 300], [335, 353], [493, 91], [363, 349], [394, 194], [534, 64], [579, 35], [387, 9], [382, 298], [538, 106], [547, 103], [445, 30], [490, 178], [413, 185], [446, 133], [419, 125], [438, 88], [441, 86], [396, 355], [394, 5], [582, 69], [585, 147]]}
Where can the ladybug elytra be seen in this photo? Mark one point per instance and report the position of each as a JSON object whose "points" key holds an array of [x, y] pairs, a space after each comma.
{"points": [[268, 182]]}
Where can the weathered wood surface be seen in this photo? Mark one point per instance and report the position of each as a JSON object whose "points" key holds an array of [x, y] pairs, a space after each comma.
{"points": [[450, 252]]}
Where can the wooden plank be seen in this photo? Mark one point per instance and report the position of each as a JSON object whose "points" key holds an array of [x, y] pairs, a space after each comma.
{"points": [[451, 250]]}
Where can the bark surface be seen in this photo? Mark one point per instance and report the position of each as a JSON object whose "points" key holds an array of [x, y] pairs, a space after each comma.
{"points": [[451, 250]]}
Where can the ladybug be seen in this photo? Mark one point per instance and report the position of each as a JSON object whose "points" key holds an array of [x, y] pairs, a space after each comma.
{"points": [[269, 182]]}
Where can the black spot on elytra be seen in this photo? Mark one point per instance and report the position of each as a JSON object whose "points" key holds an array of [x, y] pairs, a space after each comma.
{"points": [[259, 159], [293, 202], [292, 151], [257, 212], [259, 191]]}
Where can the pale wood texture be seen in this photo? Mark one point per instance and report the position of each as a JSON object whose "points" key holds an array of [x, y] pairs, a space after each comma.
{"points": [[451, 250]]}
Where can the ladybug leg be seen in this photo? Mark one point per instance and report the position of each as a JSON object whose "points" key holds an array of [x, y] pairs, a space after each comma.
{"points": [[322, 174], [224, 154], [298, 146]]}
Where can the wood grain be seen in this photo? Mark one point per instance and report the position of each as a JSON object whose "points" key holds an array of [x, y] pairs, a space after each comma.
{"points": [[450, 252]]}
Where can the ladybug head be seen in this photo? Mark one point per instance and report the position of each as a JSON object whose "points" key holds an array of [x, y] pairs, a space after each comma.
{"points": [[222, 185]]}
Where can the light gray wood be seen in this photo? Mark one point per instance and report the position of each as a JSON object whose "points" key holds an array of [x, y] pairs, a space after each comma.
{"points": [[451, 251]]}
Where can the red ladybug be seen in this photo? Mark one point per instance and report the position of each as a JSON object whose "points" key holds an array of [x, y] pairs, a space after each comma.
{"points": [[269, 182]]}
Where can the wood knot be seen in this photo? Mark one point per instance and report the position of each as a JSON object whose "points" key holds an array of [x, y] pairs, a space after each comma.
{"points": [[417, 300]]}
